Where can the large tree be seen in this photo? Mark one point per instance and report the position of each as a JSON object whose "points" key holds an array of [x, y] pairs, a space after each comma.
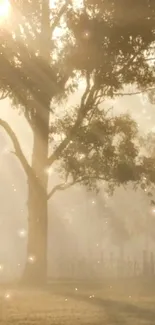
{"points": [[104, 46]]}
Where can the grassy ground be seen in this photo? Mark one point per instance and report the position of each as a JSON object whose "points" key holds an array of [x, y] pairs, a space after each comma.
{"points": [[109, 303]]}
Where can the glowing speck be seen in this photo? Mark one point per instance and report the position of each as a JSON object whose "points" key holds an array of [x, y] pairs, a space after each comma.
{"points": [[76, 289], [7, 295], [86, 34], [49, 170], [31, 259], [22, 233], [6, 151]]}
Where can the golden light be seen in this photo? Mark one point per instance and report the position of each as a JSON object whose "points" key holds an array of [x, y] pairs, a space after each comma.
{"points": [[4, 9]]}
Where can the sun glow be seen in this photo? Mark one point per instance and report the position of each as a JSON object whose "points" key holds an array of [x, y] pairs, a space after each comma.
{"points": [[4, 9]]}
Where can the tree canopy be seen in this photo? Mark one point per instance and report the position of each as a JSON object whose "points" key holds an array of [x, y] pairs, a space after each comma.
{"points": [[106, 46]]}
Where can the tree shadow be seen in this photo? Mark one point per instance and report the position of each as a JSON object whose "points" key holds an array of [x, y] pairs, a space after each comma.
{"points": [[116, 312]]}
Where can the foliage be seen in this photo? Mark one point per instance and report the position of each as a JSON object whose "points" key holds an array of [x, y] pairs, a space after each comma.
{"points": [[103, 44], [111, 42], [102, 149]]}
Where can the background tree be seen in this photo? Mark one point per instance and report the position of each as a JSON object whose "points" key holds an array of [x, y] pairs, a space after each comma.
{"points": [[103, 45]]}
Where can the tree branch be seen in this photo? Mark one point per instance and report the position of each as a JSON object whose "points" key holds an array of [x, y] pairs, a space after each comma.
{"points": [[134, 93], [80, 116], [4, 94], [60, 14], [85, 94], [18, 150], [28, 119], [64, 186], [59, 187]]}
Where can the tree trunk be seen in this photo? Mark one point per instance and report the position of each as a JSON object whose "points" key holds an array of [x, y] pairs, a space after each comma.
{"points": [[36, 266]]}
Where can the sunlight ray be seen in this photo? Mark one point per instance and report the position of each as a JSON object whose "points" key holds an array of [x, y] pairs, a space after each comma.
{"points": [[4, 9]]}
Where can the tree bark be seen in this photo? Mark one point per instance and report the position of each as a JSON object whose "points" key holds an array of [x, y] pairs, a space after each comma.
{"points": [[35, 272], [36, 265]]}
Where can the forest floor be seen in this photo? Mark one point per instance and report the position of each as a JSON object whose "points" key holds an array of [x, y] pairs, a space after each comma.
{"points": [[110, 303]]}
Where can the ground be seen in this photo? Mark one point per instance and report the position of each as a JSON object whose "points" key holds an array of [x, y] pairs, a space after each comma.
{"points": [[111, 302]]}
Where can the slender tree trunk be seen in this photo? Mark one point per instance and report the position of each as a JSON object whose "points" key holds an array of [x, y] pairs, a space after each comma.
{"points": [[121, 259]]}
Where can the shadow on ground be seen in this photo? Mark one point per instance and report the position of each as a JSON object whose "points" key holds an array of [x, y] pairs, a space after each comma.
{"points": [[116, 311]]}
